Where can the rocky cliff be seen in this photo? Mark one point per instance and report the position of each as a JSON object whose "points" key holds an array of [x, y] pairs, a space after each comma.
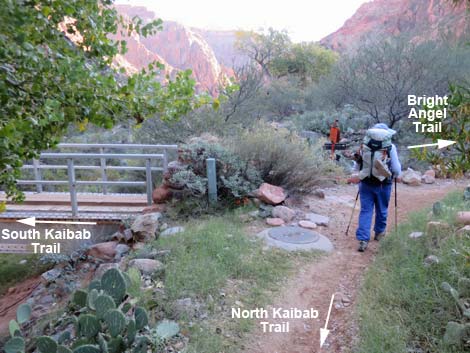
{"points": [[425, 19], [178, 48]]}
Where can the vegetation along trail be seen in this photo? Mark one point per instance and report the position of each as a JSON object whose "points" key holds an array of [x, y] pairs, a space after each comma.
{"points": [[340, 273]]}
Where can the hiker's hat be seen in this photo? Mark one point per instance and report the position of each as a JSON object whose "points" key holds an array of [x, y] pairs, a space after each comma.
{"points": [[384, 127]]}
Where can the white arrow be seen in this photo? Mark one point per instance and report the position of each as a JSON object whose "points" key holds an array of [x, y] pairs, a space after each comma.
{"points": [[324, 331], [440, 144], [31, 221]]}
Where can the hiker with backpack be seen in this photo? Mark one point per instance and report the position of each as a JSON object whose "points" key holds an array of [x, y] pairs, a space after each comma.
{"points": [[378, 165]]}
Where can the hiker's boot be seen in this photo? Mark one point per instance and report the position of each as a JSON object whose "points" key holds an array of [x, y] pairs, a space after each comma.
{"points": [[362, 246], [379, 236]]}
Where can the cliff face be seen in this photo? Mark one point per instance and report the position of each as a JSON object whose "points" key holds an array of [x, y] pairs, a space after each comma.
{"points": [[422, 19], [177, 47]]}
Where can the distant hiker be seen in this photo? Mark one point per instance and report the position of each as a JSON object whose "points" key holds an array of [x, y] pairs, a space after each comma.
{"points": [[335, 137], [378, 164]]}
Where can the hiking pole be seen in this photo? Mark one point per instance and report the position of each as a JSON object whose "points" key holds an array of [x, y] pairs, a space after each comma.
{"points": [[396, 207], [352, 213]]}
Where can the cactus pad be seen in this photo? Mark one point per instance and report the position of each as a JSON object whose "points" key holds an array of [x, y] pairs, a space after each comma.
{"points": [[104, 303], [88, 326], [141, 318], [116, 322], [114, 284], [46, 344]]}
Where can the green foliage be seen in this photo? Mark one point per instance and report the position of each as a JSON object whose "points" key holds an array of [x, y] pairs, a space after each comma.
{"points": [[307, 61], [455, 128], [283, 158], [88, 348], [404, 303], [48, 81], [46, 344], [92, 295], [236, 178], [135, 282], [23, 313], [62, 349]]}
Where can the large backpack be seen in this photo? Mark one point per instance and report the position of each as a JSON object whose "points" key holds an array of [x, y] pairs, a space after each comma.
{"points": [[375, 153]]}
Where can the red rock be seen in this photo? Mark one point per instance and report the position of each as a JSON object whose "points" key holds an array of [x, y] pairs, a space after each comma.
{"points": [[161, 194], [463, 218], [270, 194], [104, 251], [283, 212], [308, 224], [154, 208], [399, 16], [429, 177], [275, 222]]}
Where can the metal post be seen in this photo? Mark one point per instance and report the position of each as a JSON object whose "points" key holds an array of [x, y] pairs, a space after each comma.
{"points": [[165, 160], [72, 186], [148, 176], [104, 176], [211, 179], [37, 175]]}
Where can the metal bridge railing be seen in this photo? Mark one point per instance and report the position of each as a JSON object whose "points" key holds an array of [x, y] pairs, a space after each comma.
{"points": [[103, 156]]}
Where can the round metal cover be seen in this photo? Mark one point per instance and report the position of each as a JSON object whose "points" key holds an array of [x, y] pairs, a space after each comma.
{"points": [[294, 235]]}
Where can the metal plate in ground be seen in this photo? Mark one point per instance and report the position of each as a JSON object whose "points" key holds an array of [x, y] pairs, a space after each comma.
{"points": [[293, 235]]}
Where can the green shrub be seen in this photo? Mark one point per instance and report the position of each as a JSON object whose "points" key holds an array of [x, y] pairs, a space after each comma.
{"points": [[283, 158], [236, 177]]}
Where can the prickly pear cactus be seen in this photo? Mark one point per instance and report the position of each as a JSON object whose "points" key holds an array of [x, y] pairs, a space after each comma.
{"points": [[46, 345], [141, 318], [88, 326], [104, 303], [15, 345], [116, 322], [114, 284]]}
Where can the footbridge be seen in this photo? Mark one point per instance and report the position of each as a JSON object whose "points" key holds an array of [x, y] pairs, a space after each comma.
{"points": [[104, 182]]}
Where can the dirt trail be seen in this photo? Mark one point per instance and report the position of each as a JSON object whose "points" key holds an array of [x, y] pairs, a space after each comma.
{"points": [[342, 271]]}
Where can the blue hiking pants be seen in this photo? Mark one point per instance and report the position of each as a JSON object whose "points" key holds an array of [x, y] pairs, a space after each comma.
{"points": [[373, 196]]}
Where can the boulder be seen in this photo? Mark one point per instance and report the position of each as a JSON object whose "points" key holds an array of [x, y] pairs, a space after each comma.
{"points": [[51, 275], [307, 224], [437, 228], [147, 266], [121, 250], [103, 251], [415, 235], [275, 222], [270, 194], [411, 177], [429, 177], [463, 218], [145, 226], [464, 231], [283, 212], [319, 220], [162, 194], [172, 231], [319, 193], [431, 260]]}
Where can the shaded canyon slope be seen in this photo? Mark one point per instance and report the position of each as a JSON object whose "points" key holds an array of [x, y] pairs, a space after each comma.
{"points": [[179, 48], [421, 19]]}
